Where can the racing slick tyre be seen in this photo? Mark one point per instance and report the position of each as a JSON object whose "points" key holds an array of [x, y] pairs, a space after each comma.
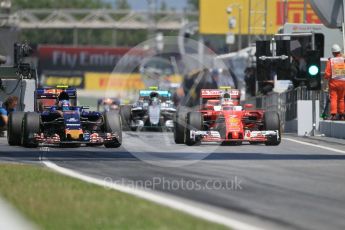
{"points": [[194, 122], [125, 113], [31, 125], [272, 123], [14, 129], [179, 126], [112, 124]]}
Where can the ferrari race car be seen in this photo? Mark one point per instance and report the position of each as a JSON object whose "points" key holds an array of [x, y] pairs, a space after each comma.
{"points": [[108, 104], [153, 110], [220, 118], [59, 121]]}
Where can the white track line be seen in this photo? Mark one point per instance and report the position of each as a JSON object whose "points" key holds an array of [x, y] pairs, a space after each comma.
{"points": [[169, 201], [10, 218], [314, 145]]}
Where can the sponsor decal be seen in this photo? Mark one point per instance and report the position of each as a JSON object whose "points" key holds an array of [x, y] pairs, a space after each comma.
{"points": [[234, 92], [73, 81], [206, 92], [92, 59], [295, 13], [213, 18], [118, 81], [234, 120], [115, 81], [72, 119]]}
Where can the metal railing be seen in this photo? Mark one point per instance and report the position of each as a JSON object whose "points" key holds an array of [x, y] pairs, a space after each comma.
{"points": [[98, 19], [286, 103]]}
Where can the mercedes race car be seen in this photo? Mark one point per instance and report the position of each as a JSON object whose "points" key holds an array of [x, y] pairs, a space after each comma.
{"points": [[220, 118], [108, 104], [59, 121], [153, 110]]}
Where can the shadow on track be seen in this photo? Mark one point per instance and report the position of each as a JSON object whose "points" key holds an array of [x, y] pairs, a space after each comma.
{"points": [[99, 154], [267, 156]]}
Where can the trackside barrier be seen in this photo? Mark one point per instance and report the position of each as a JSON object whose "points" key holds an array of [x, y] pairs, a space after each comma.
{"points": [[333, 129], [286, 103]]}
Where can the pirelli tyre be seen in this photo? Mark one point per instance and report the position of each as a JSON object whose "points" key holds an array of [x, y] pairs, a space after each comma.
{"points": [[180, 125], [31, 126], [125, 113], [272, 123], [112, 124], [14, 129], [194, 123]]}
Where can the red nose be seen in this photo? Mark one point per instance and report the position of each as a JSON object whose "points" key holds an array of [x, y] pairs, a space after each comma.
{"points": [[234, 135]]}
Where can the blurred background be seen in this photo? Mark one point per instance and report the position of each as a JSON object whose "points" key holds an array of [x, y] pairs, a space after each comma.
{"points": [[117, 46]]}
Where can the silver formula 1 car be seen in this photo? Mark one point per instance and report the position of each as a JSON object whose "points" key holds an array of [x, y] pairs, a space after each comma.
{"points": [[154, 110]]}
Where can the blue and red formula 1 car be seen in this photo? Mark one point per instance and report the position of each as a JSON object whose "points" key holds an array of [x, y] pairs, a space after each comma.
{"points": [[220, 118], [59, 121]]}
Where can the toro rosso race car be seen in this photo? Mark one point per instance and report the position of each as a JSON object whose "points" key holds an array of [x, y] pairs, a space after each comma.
{"points": [[58, 121], [153, 110], [220, 118]]}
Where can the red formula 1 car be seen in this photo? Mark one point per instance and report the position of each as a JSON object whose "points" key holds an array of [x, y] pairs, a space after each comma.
{"points": [[220, 118]]}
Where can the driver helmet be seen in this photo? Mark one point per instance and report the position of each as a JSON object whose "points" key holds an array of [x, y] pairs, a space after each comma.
{"points": [[107, 101], [154, 96], [226, 100], [64, 104], [63, 100]]}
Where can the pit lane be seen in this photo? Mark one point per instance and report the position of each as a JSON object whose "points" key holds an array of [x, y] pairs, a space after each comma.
{"points": [[290, 186]]}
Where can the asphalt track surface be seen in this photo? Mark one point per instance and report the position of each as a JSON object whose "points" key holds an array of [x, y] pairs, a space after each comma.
{"points": [[290, 186]]}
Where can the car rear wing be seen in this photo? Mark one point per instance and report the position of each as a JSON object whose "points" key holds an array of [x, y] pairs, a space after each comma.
{"points": [[53, 93], [219, 93], [46, 97], [70, 108], [162, 93]]}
